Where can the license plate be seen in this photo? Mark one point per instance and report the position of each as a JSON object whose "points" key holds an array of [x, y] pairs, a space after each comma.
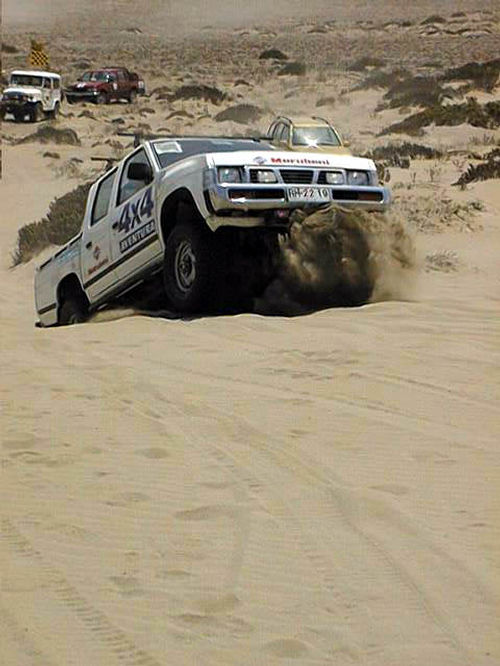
{"points": [[309, 194]]}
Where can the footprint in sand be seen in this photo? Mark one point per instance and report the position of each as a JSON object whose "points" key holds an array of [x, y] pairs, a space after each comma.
{"points": [[288, 648], [206, 513], [392, 489], [154, 453], [128, 586]]}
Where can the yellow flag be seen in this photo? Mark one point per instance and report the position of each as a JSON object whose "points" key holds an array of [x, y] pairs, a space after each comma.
{"points": [[38, 57]]}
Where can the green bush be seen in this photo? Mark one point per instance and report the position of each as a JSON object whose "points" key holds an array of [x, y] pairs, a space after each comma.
{"points": [[62, 222]]}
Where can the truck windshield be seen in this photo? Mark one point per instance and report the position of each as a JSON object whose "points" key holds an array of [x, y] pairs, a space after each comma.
{"points": [[26, 80], [95, 76], [314, 136]]}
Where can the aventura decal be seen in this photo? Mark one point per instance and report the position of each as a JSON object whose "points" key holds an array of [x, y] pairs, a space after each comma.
{"points": [[137, 236]]}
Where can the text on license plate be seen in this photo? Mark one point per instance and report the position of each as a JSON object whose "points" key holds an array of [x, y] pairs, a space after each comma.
{"points": [[317, 194]]}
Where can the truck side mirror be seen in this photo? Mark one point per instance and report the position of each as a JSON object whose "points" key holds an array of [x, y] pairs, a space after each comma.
{"points": [[140, 171]]}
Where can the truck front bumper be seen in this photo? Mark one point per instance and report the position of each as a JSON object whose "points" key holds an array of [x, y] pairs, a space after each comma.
{"points": [[248, 197], [75, 96], [15, 106]]}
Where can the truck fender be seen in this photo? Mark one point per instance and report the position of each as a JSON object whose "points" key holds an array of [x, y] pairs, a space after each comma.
{"points": [[178, 207]]}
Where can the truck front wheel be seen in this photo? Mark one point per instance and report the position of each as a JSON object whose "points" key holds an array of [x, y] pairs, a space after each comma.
{"points": [[189, 273], [36, 113], [72, 311], [102, 98]]}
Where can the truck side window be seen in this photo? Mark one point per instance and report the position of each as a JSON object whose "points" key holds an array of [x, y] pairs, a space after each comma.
{"points": [[130, 187], [102, 198]]}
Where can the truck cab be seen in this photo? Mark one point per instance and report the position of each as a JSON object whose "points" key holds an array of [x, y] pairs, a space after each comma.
{"points": [[33, 94]]}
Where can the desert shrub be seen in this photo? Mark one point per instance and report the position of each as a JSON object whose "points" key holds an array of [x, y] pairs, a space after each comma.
{"points": [[484, 75], [486, 170], [49, 134], [240, 113], [273, 54], [9, 48], [294, 68], [382, 79], [366, 61], [471, 112], [326, 101], [435, 18], [406, 149], [200, 91], [61, 223], [438, 213], [416, 91], [444, 261]]}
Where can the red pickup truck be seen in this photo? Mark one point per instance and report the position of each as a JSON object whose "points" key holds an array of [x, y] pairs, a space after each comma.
{"points": [[104, 85]]}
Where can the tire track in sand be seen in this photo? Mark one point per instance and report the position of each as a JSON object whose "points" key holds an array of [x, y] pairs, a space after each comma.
{"points": [[118, 646]]}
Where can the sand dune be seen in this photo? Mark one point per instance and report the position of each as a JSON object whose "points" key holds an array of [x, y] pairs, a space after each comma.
{"points": [[257, 488]]}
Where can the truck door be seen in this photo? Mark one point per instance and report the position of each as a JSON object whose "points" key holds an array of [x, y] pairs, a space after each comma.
{"points": [[135, 241], [98, 273]]}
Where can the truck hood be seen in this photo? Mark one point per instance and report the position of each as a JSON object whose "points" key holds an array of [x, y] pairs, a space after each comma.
{"points": [[271, 158], [19, 90]]}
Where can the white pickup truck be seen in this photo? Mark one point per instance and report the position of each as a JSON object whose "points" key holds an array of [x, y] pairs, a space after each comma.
{"points": [[32, 93], [202, 214]]}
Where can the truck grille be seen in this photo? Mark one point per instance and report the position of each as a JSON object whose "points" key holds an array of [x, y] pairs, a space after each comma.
{"points": [[297, 176]]}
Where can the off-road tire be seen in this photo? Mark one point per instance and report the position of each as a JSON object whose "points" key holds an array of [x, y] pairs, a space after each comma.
{"points": [[102, 98], [132, 96], [72, 311], [188, 270], [18, 117], [36, 113], [55, 111]]}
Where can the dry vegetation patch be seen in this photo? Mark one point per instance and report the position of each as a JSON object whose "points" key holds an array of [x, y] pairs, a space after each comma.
{"points": [[471, 112], [50, 134], [489, 168], [437, 213], [62, 222]]}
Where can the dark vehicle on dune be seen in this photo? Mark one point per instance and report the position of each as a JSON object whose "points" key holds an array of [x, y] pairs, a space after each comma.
{"points": [[105, 85]]}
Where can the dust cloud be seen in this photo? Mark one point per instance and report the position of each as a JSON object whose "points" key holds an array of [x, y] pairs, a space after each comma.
{"points": [[338, 257]]}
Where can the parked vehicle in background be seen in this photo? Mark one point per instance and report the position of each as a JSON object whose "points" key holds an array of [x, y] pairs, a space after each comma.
{"points": [[106, 85], [33, 94], [306, 134], [203, 213]]}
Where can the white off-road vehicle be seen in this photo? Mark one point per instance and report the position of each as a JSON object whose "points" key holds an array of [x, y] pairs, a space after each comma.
{"points": [[205, 213], [31, 93]]}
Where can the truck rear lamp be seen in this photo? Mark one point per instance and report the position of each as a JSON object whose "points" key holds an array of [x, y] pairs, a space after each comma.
{"points": [[334, 177], [229, 175], [266, 176], [357, 178]]}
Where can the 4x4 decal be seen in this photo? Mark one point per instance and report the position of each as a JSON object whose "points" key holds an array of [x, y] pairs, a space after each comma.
{"points": [[136, 212]]}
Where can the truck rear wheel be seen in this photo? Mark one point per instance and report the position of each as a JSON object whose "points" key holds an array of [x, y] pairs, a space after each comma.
{"points": [[132, 96], [188, 272], [72, 311]]}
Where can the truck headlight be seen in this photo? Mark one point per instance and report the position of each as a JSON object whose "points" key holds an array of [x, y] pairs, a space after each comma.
{"points": [[229, 175], [334, 177], [266, 176], [357, 178]]}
